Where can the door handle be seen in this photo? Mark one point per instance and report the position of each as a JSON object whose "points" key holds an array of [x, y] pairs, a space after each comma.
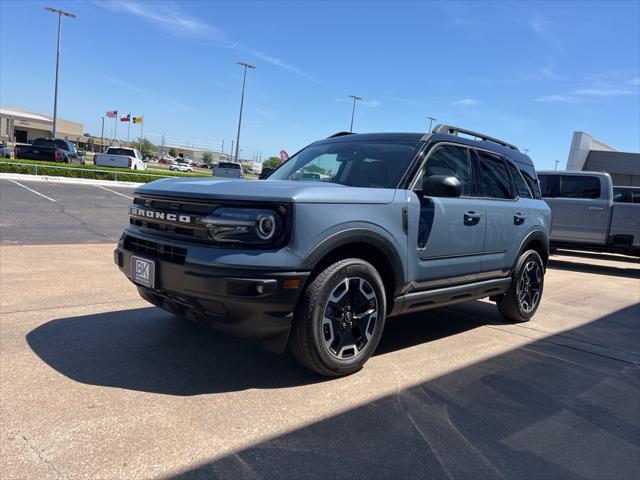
{"points": [[519, 218], [596, 209], [472, 215]]}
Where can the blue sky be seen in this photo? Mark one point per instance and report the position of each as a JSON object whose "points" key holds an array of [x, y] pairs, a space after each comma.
{"points": [[530, 73]]}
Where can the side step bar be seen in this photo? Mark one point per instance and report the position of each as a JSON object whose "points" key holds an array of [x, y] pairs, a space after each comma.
{"points": [[424, 300]]}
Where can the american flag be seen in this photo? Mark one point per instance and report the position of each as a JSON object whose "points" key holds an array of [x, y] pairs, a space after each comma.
{"points": [[112, 113]]}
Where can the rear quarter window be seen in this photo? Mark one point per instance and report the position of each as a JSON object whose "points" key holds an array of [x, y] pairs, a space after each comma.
{"points": [[579, 186]]}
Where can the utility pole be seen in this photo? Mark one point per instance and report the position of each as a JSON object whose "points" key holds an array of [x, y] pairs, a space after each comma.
{"points": [[244, 79], [55, 91], [431, 120], [557, 162], [353, 110], [222, 146], [231, 154], [102, 137]]}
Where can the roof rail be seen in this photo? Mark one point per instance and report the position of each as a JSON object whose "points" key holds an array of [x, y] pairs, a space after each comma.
{"points": [[340, 134], [451, 130]]}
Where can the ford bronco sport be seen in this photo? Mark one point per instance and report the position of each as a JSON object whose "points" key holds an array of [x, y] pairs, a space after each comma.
{"points": [[389, 224]]}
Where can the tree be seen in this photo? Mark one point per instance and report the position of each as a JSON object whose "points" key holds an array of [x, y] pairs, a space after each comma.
{"points": [[271, 162], [207, 157], [173, 152], [146, 148]]}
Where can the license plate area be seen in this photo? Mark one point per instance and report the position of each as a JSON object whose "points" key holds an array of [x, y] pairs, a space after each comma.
{"points": [[143, 271]]}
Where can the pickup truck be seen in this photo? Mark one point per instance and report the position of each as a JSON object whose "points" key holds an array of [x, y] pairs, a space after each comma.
{"points": [[121, 157], [227, 170], [585, 215], [48, 149]]}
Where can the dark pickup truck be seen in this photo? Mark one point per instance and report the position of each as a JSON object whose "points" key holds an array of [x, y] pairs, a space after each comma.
{"points": [[48, 149]]}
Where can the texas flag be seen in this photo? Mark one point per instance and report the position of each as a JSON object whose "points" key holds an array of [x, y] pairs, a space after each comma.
{"points": [[112, 113], [125, 119]]}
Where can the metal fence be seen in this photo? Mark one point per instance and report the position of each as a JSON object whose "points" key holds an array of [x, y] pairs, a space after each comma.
{"points": [[114, 174]]}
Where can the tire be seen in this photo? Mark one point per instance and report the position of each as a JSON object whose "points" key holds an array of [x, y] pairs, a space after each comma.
{"points": [[327, 336], [522, 300]]}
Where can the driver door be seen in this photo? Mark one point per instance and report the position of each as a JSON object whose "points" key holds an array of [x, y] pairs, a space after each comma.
{"points": [[450, 237]]}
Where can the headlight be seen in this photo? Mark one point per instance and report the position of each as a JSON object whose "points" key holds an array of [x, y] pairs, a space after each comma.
{"points": [[244, 225]]}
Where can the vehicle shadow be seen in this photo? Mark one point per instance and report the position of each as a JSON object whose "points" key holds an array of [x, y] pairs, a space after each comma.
{"points": [[150, 350], [608, 270], [546, 410]]}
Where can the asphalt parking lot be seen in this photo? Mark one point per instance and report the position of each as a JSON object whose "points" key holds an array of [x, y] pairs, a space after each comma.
{"points": [[96, 383]]}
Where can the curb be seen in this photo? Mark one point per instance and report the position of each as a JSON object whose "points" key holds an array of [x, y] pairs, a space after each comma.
{"points": [[71, 180]]}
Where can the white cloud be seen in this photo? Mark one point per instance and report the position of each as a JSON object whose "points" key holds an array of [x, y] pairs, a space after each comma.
{"points": [[634, 81], [168, 17], [542, 28], [465, 102], [603, 92], [556, 98]]}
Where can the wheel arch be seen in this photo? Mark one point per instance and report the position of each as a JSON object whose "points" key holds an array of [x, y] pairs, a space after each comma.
{"points": [[367, 245], [538, 241]]}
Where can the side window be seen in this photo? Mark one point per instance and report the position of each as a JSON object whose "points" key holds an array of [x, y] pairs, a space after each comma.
{"points": [[521, 185], [494, 177], [620, 195], [635, 196], [579, 186], [452, 161]]}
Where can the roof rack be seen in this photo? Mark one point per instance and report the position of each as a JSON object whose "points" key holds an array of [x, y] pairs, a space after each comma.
{"points": [[340, 134], [451, 130]]}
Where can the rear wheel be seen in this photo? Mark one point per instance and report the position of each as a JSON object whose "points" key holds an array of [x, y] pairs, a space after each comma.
{"points": [[339, 321], [522, 299]]}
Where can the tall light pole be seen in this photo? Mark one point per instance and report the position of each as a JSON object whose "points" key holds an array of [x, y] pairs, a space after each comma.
{"points": [[353, 110], [557, 162], [244, 79], [431, 120], [102, 137], [55, 94]]}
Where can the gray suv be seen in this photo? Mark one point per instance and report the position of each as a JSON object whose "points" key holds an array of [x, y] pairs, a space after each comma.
{"points": [[350, 231]]}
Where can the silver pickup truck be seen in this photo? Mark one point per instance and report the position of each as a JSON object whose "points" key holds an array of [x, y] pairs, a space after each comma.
{"points": [[589, 213]]}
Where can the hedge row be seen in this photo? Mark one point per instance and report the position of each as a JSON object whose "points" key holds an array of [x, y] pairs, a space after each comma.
{"points": [[87, 171]]}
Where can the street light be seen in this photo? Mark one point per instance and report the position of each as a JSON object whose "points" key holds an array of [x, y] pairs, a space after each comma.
{"points": [[431, 120], [353, 111], [55, 94], [244, 79]]}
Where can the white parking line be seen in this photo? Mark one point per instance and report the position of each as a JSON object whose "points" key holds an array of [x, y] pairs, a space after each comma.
{"points": [[31, 190], [113, 191]]}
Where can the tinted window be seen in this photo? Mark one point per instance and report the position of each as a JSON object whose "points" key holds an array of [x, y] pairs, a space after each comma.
{"points": [[42, 142], [451, 161], [121, 151], [635, 196], [521, 185], [579, 186], [354, 163], [621, 195], [494, 177]]}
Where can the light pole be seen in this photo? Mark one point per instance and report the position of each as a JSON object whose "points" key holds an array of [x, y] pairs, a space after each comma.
{"points": [[431, 120], [55, 94], [244, 79], [353, 110], [102, 137], [557, 162]]}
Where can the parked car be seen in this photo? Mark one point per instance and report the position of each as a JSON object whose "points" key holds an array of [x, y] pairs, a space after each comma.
{"points": [[407, 222], [5, 152], [122, 157], [266, 171], [166, 160], [181, 167], [228, 170], [586, 214], [48, 149]]}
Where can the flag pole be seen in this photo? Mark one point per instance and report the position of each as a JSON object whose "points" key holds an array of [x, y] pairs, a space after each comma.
{"points": [[141, 134], [115, 128]]}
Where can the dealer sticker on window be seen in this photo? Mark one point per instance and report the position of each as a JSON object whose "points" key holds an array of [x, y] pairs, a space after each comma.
{"points": [[143, 271]]}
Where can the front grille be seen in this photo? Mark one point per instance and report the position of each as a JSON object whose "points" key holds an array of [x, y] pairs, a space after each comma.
{"points": [[156, 250]]}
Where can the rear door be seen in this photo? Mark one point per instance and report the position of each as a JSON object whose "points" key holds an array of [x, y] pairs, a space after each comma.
{"points": [[507, 217], [581, 210], [450, 230]]}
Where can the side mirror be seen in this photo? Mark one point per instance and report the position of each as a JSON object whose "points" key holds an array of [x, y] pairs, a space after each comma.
{"points": [[441, 186]]}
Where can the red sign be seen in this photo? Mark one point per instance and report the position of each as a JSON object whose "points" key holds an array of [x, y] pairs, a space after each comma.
{"points": [[284, 156]]}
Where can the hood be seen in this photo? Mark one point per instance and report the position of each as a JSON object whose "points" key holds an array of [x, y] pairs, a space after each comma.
{"points": [[266, 190]]}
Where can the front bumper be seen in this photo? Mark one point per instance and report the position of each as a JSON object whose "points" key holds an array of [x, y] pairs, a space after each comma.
{"points": [[248, 303]]}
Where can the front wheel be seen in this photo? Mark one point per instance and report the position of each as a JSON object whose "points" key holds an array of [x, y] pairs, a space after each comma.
{"points": [[522, 299], [339, 321]]}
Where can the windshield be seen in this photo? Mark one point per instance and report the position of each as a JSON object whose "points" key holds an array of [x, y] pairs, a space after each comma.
{"points": [[378, 164]]}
